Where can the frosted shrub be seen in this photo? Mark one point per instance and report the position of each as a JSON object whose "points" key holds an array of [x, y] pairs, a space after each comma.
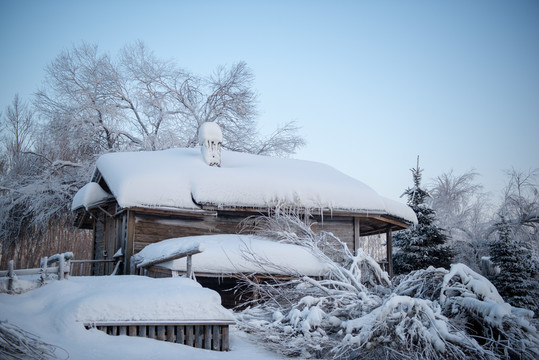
{"points": [[353, 311], [474, 302], [405, 327], [423, 284]]}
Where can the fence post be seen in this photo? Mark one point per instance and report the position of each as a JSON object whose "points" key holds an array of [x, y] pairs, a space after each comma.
{"points": [[11, 276], [68, 265], [189, 269], [61, 264], [43, 270]]}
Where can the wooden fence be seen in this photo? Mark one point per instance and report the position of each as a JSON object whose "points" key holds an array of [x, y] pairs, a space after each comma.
{"points": [[62, 265], [62, 270]]}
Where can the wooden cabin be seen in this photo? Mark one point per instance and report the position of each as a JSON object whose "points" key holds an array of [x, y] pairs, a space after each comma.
{"points": [[138, 198]]}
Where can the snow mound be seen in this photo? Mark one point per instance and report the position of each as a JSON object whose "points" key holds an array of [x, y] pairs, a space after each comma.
{"points": [[137, 298], [231, 253]]}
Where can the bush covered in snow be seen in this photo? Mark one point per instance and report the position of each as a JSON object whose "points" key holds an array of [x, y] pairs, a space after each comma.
{"points": [[354, 312]]}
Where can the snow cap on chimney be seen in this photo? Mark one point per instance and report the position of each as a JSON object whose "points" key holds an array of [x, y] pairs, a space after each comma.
{"points": [[210, 137]]}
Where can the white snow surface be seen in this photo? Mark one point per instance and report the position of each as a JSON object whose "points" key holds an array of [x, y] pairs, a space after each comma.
{"points": [[54, 313], [232, 253], [179, 178], [89, 195], [135, 298], [209, 131]]}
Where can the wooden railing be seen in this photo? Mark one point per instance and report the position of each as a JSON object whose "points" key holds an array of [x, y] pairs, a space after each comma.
{"points": [[63, 266], [94, 267], [61, 270]]}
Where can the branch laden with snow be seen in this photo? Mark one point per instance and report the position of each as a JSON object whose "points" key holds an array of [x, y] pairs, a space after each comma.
{"points": [[352, 312], [16, 343]]}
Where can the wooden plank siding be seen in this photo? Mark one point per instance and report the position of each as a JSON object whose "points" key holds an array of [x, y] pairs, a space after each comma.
{"points": [[135, 228], [152, 228], [341, 227]]}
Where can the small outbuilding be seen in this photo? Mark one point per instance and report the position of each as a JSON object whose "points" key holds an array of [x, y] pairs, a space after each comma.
{"points": [[135, 199]]}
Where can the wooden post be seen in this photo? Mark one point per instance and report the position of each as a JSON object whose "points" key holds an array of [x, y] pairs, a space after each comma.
{"points": [[189, 269], [224, 338], [61, 264], [198, 336], [161, 332], [389, 253], [151, 332], [170, 333], [180, 334], [189, 335], [43, 270], [216, 337], [68, 268], [129, 240], [357, 235], [142, 331], [207, 337], [10, 275]]}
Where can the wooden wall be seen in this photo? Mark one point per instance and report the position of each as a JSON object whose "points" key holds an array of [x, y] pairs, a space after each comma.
{"points": [[341, 227], [153, 228]]}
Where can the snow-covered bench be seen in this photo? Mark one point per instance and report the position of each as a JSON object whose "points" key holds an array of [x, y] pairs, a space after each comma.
{"points": [[177, 310]]}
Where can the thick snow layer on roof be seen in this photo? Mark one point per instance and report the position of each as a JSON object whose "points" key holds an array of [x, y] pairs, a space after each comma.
{"points": [[179, 178], [225, 254], [90, 194], [135, 298]]}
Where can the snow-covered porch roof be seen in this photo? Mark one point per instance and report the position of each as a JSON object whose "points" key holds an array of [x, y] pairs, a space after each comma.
{"points": [[179, 179]]}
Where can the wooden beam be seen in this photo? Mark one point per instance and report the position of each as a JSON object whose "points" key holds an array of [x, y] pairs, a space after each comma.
{"points": [[174, 212], [389, 249], [357, 234], [174, 256], [129, 241]]}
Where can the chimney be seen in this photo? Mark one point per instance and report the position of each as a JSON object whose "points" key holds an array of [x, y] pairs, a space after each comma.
{"points": [[210, 137]]}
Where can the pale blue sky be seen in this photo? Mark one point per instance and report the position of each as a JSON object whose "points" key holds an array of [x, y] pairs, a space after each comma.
{"points": [[372, 83]]}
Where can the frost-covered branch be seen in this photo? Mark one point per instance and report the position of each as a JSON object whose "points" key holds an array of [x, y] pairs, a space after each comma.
{"points": [[16, 343], [352, 312]]}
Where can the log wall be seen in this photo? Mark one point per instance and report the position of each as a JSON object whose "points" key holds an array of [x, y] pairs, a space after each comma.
{"points": [[152, 228]]}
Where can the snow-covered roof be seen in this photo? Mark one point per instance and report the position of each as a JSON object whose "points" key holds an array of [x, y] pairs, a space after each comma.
{"points": [[233, 254], [89, 195], [179, 178]]}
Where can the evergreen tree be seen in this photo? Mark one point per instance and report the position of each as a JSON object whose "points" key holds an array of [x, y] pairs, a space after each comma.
{"points": [[424, 244], [515, 282]]}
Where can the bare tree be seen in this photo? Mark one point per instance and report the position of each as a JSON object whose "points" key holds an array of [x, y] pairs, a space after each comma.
{"points": [[92, 103], [142, 102], [520, 207], [463, 211], [18, 127]]}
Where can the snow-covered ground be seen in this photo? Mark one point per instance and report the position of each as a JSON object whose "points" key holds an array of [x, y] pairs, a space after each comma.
{"points": [[55, 312]]}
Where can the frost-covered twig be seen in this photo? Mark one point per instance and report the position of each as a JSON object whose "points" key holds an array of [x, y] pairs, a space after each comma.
{"points": [[16, 343]]}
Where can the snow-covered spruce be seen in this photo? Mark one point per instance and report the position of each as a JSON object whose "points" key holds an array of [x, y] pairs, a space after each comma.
{"points": [[431, 314]]}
